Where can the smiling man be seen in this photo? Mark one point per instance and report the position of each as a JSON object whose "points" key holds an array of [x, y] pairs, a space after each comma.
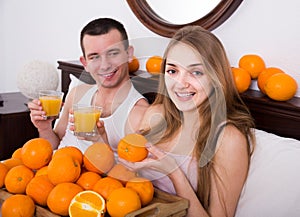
{"points": [[106, 52]]}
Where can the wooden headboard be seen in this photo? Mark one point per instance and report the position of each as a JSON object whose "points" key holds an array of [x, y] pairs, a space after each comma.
{"points": [[281, 118]]}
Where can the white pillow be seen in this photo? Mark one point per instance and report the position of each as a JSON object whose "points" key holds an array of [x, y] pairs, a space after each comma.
{"points": [[74, 82], [273, 184]]}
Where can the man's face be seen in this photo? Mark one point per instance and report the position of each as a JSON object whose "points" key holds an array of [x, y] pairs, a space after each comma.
{"points": [[106, 58]]}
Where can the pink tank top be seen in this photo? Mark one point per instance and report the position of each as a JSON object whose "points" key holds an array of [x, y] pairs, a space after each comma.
{"points": [[186, 163]]}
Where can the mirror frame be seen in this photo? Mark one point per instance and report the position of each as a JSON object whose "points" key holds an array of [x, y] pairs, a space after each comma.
{"points": [[155, 23]]}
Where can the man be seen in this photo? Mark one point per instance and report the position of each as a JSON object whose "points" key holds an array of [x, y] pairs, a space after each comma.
{"points": [[106, 52]]}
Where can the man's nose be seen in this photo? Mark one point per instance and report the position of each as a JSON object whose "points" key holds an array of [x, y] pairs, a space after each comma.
{"points": [[105, 63]]}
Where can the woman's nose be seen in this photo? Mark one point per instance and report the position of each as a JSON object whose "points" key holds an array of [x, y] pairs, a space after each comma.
{"points": [[182, 79]]}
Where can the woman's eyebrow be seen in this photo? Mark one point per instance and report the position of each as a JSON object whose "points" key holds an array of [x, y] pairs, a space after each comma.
{"points": [[171, 64], [191, 65], [196, 64]]}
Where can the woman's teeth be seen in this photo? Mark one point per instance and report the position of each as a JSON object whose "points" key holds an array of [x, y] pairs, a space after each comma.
{"points": [[184, 94]]}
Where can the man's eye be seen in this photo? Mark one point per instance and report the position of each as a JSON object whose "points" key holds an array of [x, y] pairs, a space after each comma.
{"points": [[96, 57], [111, 54]]}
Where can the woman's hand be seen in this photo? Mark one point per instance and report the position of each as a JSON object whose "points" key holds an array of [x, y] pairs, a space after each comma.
{"points": [[157, 160]]}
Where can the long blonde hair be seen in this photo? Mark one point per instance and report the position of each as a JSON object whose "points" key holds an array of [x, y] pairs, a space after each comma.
{"points": [[224, 103]]}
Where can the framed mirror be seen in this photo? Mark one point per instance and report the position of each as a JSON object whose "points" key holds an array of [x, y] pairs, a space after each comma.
{"points": [[211, 20]]}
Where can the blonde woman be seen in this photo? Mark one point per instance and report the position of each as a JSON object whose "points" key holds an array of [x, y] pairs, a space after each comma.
{"points": [[199, 130]]}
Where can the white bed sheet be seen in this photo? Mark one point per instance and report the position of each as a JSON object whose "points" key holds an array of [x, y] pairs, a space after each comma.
{"points": [[273, 184]]}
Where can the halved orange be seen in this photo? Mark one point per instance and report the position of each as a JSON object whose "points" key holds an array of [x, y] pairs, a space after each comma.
{"points": [[88, 204]]}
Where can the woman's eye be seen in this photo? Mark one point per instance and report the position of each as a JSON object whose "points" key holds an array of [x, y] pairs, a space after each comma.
{"points": [[170, 71], [197, 73]]}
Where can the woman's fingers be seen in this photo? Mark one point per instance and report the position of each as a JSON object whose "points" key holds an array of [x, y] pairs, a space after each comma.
{"points": [[154, 151]]}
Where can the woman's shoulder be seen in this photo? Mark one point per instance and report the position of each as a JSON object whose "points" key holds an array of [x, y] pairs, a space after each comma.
{"points": [[231, 139]]}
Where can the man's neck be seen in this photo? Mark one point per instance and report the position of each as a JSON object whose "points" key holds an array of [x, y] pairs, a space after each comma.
{"points": [[110, 98]]}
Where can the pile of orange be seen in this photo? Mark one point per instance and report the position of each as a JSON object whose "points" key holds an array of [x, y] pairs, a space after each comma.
{"points": [[272, 81], [66, 180]]}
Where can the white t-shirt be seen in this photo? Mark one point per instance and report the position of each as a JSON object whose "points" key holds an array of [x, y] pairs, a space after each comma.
{"points": [[114, 124]]}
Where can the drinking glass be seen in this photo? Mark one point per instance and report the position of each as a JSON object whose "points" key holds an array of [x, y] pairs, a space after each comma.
{"points": [[51, 102], [85, 119]]}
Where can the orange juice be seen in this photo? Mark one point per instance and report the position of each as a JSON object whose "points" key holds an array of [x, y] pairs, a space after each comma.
{"points": [[85, 119], [51, 102], [51, 105]]}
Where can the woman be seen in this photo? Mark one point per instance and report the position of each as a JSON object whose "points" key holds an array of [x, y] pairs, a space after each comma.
{"points": [[199, 129]]}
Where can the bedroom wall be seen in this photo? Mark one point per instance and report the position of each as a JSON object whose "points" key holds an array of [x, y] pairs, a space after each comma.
{"points": [[49, 31]]}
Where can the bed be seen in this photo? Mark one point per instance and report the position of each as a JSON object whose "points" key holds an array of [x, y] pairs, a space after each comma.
{"points": [[273, 184]]}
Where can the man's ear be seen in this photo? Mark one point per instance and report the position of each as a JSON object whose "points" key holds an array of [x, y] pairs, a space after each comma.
{"points": [[83, 62], [130, 52]]}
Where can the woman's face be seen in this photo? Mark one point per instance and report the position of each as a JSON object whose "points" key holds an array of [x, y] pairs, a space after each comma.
{"points": [[186, 82]]}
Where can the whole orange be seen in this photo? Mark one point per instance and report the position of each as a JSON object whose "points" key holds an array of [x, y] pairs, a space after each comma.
{"points": [[42, 171], [121, 173], [98, 158], [122, 201], [143, 187], [17, 153], [132, 147], [88, 179], [39, 188], [70, 150], [281, 87], [242, 79], [3, 172], [12, 162], [153, 64], [17, 179], [107, 185], [63, 168], [265, 75], [18, 205], [61, 196], [36, 153], [133, 65], [252, 63]]}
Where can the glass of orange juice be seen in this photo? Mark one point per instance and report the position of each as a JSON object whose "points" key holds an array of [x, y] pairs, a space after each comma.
{"points": [[85, 119], [51, 102]]}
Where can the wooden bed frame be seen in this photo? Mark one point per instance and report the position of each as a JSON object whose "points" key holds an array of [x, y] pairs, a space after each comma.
{"points": [[281, 118]]}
